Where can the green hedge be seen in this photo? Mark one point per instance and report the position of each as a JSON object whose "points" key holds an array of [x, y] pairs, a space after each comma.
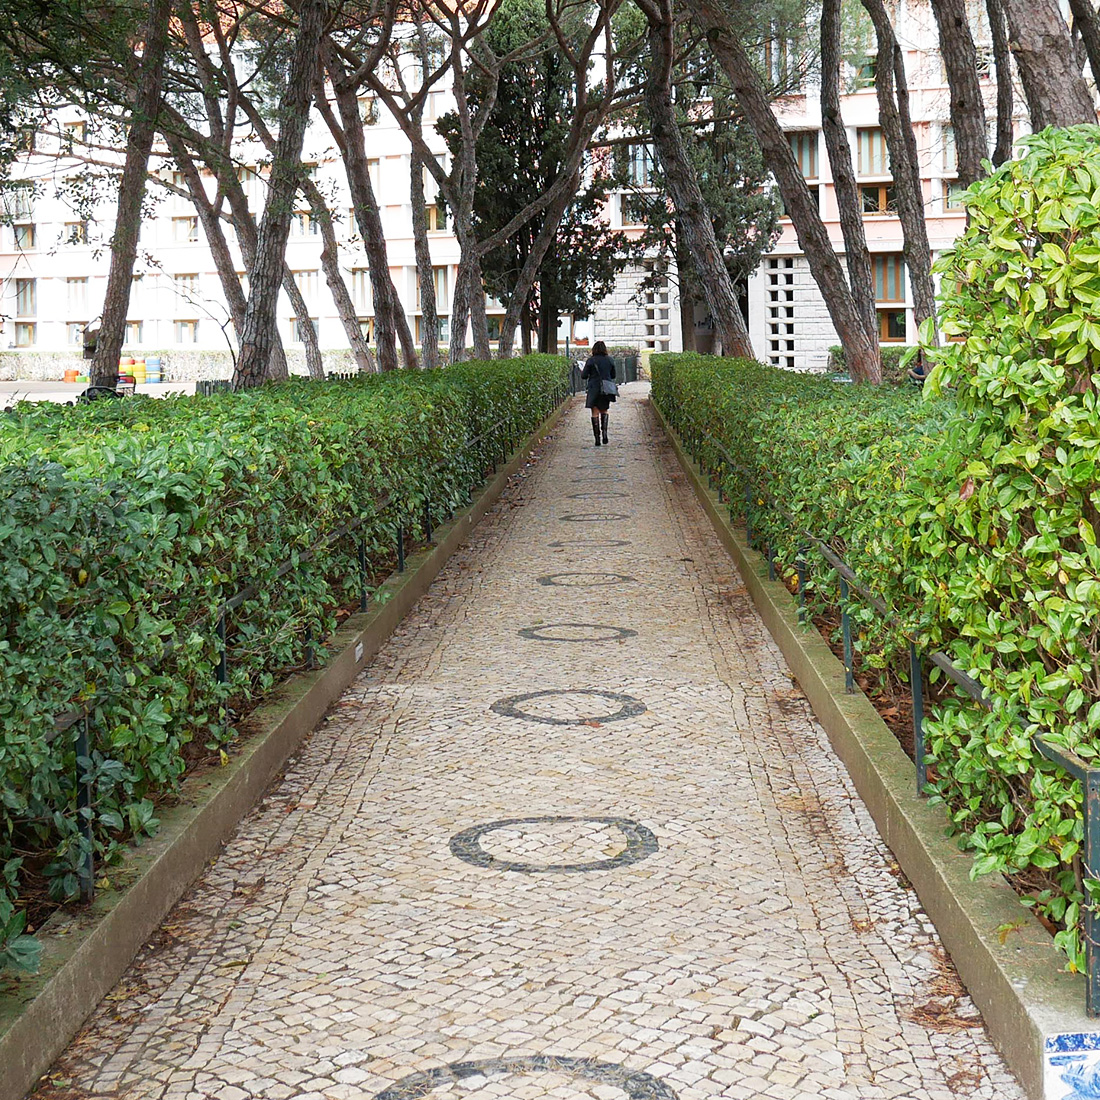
{"points": [[973, 532], [126, 524], [893, 355]]}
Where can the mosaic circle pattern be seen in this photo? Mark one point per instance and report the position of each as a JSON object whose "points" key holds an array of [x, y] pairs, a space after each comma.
{"points": [[636, 1085], [595, 517], [558, 543], [588, 580], [595, 493], [512, 707], [590, 832], [597, 632]]}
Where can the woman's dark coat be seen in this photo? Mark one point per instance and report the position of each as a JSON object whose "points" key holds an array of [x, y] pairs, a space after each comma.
{"points": [[595, 370]]}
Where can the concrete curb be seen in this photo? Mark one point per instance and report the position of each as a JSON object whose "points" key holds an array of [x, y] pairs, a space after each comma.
{"points": [[86, 953], [1006, 959]]}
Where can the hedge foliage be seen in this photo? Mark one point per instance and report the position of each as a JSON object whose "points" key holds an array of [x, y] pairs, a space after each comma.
{"points": [[974, 526], [124, 527]]}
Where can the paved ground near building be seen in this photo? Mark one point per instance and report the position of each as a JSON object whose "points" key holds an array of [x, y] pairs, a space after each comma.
{"points": [[574, 835]]}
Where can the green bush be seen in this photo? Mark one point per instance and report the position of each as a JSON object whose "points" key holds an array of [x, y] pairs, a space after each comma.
{"points": [[127, 524], [895, 367], [973, 520]]}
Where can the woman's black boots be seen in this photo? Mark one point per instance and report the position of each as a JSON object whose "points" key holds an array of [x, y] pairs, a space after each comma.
{"points": [[603, 425], [596, 430]]}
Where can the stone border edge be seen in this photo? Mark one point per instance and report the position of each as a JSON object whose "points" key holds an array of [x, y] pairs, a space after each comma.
{"points": [[87, 952], [1015, 977]]}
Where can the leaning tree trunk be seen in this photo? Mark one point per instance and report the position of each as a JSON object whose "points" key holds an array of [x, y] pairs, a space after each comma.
{"points": [[266, 275], [1040, 42], [1002, 60], [861, 353], [390, 322], [901, 143], [131, 191], [691, 210], [960, 60], [429, 315], [315, 365], [479, 317], [848, 198], [1087, 25]]}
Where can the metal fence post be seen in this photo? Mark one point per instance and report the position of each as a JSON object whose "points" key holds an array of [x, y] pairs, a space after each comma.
{"points": [[748, 518], [846, 630], [400, 549], [916, 683], [770, 554], [1091, 869], [362, 575], [427, 522], [84, 808], [800, 565], [223, 661]]}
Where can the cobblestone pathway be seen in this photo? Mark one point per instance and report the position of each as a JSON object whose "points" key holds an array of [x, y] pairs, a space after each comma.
{"points": [[574, 835]]}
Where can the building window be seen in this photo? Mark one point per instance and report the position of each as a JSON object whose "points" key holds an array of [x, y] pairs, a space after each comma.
{"points": [[953, 192], [26, 298], [374, 172], [950, 152], [368, 109], [366, 327], [304, 224], [26, 333], [872, 156], [804, 145], [863, 75], [25, 237], [133, 332], [187, 332], [443, 330], [185, 230], [437, 218], [361, 289], [75, 131], [187, 286], [888, 271], [440, 284], [634, 209], [76, 232], [27, 139], [297, 328], [306, 281], [891, 326], [76, 295], [74, 333], [641, 165], [19, 200], [878, 198]]}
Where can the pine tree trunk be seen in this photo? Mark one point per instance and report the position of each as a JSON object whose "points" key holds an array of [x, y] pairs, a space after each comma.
{"points": [[860, 351], [1039, 39], [387, 304], [429, 314], [1087, 25], [338, 287], [315, 365], [686, 274], [849, 200], [1002, 60], [960, 60], [548, 327], [266, 275], [687, 197], [460, 313], [479, 318], [131, 191], [901, 143]]}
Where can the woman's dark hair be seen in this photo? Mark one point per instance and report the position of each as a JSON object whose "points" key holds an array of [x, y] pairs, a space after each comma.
{"points": [[599, 348]]}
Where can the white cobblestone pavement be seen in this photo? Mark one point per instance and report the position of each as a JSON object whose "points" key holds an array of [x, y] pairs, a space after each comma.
{"points": [[650, 879]]}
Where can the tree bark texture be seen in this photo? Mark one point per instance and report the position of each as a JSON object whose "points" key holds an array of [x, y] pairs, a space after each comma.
{"points": [[848, 197], [1040, 42], [131, 191], [901, 143], [691, 210], [315, 365], [390, 323], [960, 60], [266, 274], [1086, 24], [429, 313], [861, 352], [1002, 61]]}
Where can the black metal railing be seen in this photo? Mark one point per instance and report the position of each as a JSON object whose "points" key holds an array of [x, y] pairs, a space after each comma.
{"points": [[696, 442], [505, 434]]}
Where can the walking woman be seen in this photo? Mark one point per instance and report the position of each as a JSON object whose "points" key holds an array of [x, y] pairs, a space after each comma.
{"points": [[600, 368]]}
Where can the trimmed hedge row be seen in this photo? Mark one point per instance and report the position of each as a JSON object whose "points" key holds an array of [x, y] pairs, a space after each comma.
{"points": [[974, 534], [127, 524]]}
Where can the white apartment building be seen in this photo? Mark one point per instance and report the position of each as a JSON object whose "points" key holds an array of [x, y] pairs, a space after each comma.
{"points": [[54, 259]]}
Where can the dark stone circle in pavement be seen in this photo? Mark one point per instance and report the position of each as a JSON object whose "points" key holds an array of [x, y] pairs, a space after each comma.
{"points": [[596, 493], [595, 517], [640, 843], [557, 580], [557, 543], [636, 1085], [607, 633], [511, 706]]}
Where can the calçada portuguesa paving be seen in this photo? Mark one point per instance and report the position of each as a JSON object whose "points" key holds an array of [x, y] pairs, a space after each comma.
{"points": [[574, 834]]}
